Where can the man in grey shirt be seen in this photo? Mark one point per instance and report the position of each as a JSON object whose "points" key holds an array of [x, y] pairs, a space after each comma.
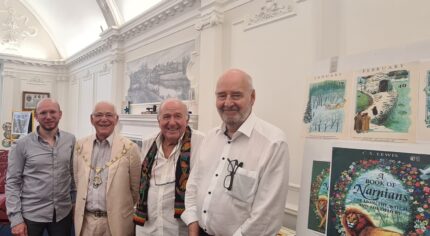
{"points": [[39, 186]]}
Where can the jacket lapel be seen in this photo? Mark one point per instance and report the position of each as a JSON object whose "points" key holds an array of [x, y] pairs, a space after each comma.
{"points": [[117, 146], [87, 151]]}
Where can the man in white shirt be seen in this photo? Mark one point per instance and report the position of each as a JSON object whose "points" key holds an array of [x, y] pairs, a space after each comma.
{"points": [[239, 183], [168, 159]]}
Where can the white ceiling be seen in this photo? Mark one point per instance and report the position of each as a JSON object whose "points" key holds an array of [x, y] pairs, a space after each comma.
{"points": [[75, 24]]}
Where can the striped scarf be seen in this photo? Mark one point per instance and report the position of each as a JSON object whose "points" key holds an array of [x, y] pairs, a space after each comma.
{"points": [[182, 173]]}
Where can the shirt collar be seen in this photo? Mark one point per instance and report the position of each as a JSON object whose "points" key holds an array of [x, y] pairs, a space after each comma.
{"points": [[108, 139], [246, 128], [57, 135]]}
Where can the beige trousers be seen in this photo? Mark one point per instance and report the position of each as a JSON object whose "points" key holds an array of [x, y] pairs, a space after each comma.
{"points": [[95, 226]]}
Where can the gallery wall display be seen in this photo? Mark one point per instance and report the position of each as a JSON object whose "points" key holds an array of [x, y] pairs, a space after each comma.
{"points": [[30, 99], [378, 104], [161, 75]]}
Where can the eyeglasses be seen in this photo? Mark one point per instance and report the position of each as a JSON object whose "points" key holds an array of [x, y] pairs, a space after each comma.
{"points": [[100, 115], [232, 167], [155, 178]]}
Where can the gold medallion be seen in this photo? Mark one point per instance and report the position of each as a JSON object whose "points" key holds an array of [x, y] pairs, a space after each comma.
{"points": [[97, 181]]}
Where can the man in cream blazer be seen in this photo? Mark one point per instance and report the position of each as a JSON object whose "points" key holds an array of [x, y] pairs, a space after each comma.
{"points": [[107, 171]]}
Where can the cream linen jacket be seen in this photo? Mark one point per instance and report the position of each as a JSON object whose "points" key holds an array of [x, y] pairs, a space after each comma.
{"points": [[122, 185]]}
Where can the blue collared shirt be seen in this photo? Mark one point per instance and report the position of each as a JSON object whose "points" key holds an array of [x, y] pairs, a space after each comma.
{"points": [[39, 179]]}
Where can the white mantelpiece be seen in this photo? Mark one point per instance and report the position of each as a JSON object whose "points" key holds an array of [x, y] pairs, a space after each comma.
{"points": [[142, 126]]}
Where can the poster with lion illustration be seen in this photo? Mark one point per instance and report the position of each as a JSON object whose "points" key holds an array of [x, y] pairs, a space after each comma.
{"points": [[379, 193], [385, 103], [318, 202], [325, 111]]}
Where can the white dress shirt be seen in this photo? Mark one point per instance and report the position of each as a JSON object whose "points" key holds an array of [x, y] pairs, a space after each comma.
{"points": [[161, 194], [255, 204]]}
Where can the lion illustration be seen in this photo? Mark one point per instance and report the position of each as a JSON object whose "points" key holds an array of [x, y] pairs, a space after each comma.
{"points": [[357, 223], [321, 205]]}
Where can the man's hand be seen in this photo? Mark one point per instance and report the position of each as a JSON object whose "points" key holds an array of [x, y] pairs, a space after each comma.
{"points": [[193, 229], [20, 230]]}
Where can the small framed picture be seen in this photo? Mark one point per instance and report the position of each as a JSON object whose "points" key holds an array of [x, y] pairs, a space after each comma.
{"points": [[30, 99], [22, 122]]}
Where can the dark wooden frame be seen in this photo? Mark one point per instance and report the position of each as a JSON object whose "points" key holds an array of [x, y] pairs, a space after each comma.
{"points": [[35, 97]]}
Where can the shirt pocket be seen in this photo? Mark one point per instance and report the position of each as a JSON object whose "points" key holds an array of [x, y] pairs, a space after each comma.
{"points": [[244, 185]]}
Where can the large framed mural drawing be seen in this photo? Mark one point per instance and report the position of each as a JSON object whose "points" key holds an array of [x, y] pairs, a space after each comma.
{"points": [[374, 192], [326, 107], [161, 75], [385, 103]]}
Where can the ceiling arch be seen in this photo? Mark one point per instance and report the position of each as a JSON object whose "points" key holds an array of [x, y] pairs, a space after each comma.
{"points": [[72, 25]]}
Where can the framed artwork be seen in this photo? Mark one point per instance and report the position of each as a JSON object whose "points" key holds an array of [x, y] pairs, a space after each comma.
{"points": [[22, 122], [162, 75], [30, 99], [326, 106], [385, 103]]}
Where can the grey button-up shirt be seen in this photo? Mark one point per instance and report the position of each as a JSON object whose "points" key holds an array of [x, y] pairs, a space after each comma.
{"points": [[96, 197], [39, 179]]}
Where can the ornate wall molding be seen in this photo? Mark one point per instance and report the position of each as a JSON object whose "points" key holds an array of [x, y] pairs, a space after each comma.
{"points": [[272, 10], [212, 19], [18, 60]]}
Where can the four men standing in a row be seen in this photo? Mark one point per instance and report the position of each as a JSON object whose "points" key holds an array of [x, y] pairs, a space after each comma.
{"points": [[233, 182]]}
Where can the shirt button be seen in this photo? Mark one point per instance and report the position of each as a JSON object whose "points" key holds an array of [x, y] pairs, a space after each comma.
{"points": [[206, 230], [204, 211], [216, 175], [229, 142], [209, 192], [223, 158]]}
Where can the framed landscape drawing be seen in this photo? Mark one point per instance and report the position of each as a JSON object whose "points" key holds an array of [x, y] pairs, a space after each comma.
{"points": [[30, 99], [326, 107], [385, 103], [161, 75]]}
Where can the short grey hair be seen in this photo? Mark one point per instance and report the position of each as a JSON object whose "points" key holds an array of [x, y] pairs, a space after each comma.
{"points": [[184, 106]]}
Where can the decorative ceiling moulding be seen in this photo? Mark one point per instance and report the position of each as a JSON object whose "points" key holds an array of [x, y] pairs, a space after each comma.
{"points": [[234, 4], [133, 29], [14, 28], [18, 60], [36, 81], [271, 11]]}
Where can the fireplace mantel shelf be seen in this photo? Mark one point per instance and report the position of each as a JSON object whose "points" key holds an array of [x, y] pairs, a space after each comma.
{"points": [[137, 126]]}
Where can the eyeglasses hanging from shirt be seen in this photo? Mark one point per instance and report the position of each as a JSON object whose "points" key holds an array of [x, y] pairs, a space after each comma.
{"points": [[232, 167]]}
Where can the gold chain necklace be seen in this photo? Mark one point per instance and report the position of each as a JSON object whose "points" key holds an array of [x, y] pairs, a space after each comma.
{"points": [[97, 180]]}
